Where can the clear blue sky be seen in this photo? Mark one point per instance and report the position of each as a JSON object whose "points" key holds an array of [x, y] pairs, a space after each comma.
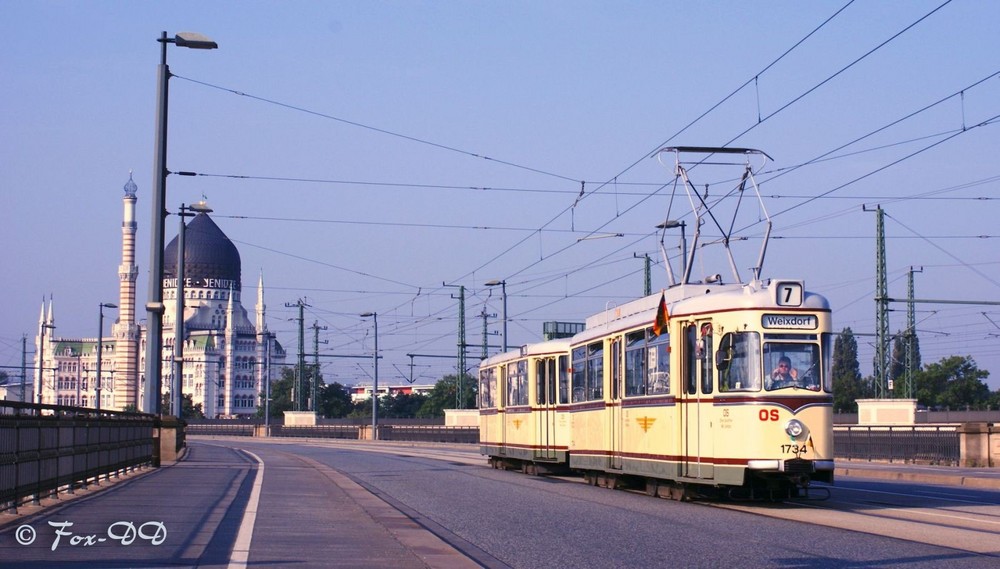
{"points": [[361, 154]]}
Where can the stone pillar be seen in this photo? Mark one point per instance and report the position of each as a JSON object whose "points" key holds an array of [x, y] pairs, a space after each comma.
{"points": [[170, 440], [887, 411], [975, 444], [994, 437], [300, 419]]}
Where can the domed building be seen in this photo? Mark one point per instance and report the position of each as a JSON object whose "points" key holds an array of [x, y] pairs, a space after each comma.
{"points": [[227, 358]]}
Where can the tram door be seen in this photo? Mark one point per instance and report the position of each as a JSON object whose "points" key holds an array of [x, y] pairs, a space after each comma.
{"points": [[545, 400], [502, 400], [697, 388], [615, 415]]}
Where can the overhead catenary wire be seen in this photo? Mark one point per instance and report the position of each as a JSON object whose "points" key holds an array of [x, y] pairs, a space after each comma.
{"points": [[536, 230]]}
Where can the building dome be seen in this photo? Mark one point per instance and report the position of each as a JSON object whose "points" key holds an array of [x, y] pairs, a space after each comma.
{"points": [[210, 258]]}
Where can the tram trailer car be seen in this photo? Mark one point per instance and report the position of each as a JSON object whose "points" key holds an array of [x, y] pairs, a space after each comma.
{"points": [[701, 389], [520, 425]]}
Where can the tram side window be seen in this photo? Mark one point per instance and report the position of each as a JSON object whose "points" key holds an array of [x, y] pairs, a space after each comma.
{"points": [[738, 362], [635, 364], [579, 374], [705, 349], [647, 363], [487, 388], [658, 364], [517, 383], [827, 340], [564, 377], [595, 371], [588, 372], [691, 359], [540, 382]]}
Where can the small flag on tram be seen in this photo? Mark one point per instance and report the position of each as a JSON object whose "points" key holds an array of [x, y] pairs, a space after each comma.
{"points": [[660, 324]]}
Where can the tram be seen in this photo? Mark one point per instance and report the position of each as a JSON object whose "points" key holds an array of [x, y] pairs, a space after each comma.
{"points": [[704, 388]]}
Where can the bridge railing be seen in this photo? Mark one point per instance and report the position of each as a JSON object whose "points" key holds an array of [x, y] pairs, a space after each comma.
{"points": [[920, 444], [389, 431], [45, 448], [429, 433], [923, 444]]}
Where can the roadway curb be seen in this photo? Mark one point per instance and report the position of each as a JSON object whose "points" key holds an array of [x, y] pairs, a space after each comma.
{"points": [[922, 477]]}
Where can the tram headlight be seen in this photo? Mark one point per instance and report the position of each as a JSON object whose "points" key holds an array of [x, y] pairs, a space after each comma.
{"points": [[795, 428]]}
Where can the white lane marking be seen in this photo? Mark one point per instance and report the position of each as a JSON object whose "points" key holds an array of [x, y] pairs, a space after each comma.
{"points": [[241, 549]]}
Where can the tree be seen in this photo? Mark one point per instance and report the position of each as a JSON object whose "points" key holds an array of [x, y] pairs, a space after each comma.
{"points": [[954, 382], [897, 365], [364, 409], [443, 396], [401, 405], [283, 391], [189, 410], [848, 386], [335, 401], [994, 401], [281, 394]]}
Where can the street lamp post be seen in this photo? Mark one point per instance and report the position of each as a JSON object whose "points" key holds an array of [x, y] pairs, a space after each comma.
{"points": [[177, 383], [100, 349], [503, 293], [154, 300], [267, 383], [374, 316]]}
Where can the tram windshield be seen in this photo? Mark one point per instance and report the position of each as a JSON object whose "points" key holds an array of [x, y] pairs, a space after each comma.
{"points": [[738, 362], [791, 365]]}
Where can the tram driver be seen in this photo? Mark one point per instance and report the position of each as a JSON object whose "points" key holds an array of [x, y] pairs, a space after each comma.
{"points": [[784, 375]]}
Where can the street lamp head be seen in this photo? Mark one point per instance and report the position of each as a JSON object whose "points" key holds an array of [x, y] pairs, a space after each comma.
{"points": [[670, 224], [494, 282], [367, 314], [193, 40], [108, 305], [200, 207]]}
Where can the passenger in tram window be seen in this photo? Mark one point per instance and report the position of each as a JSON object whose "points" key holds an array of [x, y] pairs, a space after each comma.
{"points": [[784, 375]]}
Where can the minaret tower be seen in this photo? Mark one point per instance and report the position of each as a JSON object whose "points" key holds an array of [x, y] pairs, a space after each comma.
{"points": [[45, 388], [261, 368], [261, 307], [125, 331], [230, 355], [39, 379]]}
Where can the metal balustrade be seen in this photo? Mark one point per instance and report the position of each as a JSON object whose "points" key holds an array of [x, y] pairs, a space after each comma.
{"points": [[922, 444], [48, 448]]}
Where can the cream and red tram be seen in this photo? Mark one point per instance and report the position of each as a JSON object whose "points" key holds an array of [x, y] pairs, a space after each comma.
{"points": [[704, 385], [519, 395], [699, 404]]}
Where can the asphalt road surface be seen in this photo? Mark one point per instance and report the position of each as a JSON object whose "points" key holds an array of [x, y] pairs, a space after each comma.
{"points": [[507, 519]]}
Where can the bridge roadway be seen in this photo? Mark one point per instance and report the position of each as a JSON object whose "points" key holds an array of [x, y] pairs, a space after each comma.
{"points": [[222, 507]]}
